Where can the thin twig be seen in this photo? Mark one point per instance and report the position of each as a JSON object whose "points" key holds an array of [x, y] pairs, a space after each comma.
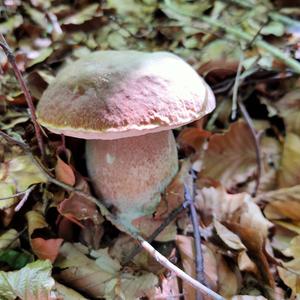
{"points": [[123, 227], [14, 195], [184, 276], [256, 144], [236, 88], [197, 238], [239, 34], [11, 58], [258, 42], [24, 198], [272, 14], [171, 217]]}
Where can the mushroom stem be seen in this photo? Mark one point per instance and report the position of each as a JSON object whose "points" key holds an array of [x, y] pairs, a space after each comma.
{"points": [[131, 173]]}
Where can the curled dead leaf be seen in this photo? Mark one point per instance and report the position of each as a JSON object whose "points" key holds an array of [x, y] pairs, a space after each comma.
{"points": [[42, 248]]}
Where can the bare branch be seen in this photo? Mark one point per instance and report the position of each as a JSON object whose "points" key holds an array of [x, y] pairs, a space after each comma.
{"points": [[11, 58]]}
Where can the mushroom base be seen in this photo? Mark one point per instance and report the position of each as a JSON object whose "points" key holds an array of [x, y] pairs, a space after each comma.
{"points": [[131, 173]]}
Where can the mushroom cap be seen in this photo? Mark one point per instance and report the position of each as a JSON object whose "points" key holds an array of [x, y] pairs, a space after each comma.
{"points": [[119, 94]]}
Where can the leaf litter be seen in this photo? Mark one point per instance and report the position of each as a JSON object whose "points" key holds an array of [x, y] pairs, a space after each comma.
{"points": [[250, 244]]}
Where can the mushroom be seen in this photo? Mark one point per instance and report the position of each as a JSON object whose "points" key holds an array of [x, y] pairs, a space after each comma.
{"points": [[125, 104]]}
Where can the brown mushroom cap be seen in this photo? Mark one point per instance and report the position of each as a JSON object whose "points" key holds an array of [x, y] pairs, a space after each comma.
{"points": [[118, 94]]}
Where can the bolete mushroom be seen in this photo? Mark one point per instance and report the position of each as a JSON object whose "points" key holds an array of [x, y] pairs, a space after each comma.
{"points": [[125, 103]]}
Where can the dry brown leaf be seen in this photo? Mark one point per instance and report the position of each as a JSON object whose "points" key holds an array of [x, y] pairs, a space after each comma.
{"points": [[185, 246], [64, 171], [192, 137], [290, 163], [294, 248], [168, 289], [282, 204], [291, 279], [231, 159], [282, 237], [246, 264], [235, 149], [239, 208], [174, 193], [42, 248], [289, 109], [147, 225], [291, 226], [84, 213], [254, 241], [101, 278], [228, 282], [228, 237]]}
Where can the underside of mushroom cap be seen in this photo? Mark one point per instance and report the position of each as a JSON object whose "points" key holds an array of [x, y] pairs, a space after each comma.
{"points": [[118, 94]]}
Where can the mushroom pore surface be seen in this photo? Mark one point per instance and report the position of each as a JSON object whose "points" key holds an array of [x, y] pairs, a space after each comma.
{"points": [[130, 173]]}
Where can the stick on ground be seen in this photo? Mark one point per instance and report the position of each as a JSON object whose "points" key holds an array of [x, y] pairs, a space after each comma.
{"points": [[12, 60]]}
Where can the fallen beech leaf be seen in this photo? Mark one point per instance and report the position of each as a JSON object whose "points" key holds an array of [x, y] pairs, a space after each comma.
{"points": [[291, 279], [147, 225], [83, 15], [185, 246], [291, 226], [289, 109], [9, 239], [192, 137], [31, 282], [46, 249], [290, 163], [21, 172], [228, 237], [235, 149], [227, 280], [6, 190], [282, 237], [64, 171], [83, 273], [230, 158], [282, 203], [246, 264], [101, 277], [123, 246], [42, 248], [237, 208], [84, 213], [64, 292], [294, 248], [174, 193], [168, 289], [253, 239]]}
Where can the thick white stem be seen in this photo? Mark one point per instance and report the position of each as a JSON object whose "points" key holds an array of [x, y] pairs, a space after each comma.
{"points": [[131, 173]]}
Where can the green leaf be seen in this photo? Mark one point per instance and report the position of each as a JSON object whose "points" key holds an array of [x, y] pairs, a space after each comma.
{"points": [[33, 282], [15, 259]]}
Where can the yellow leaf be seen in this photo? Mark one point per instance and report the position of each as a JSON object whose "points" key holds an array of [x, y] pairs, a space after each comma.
{"points": [[9, 239], [6, 190], [22, 172], [294, 248], [290, 163], [291, 279], [282, 203]]}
